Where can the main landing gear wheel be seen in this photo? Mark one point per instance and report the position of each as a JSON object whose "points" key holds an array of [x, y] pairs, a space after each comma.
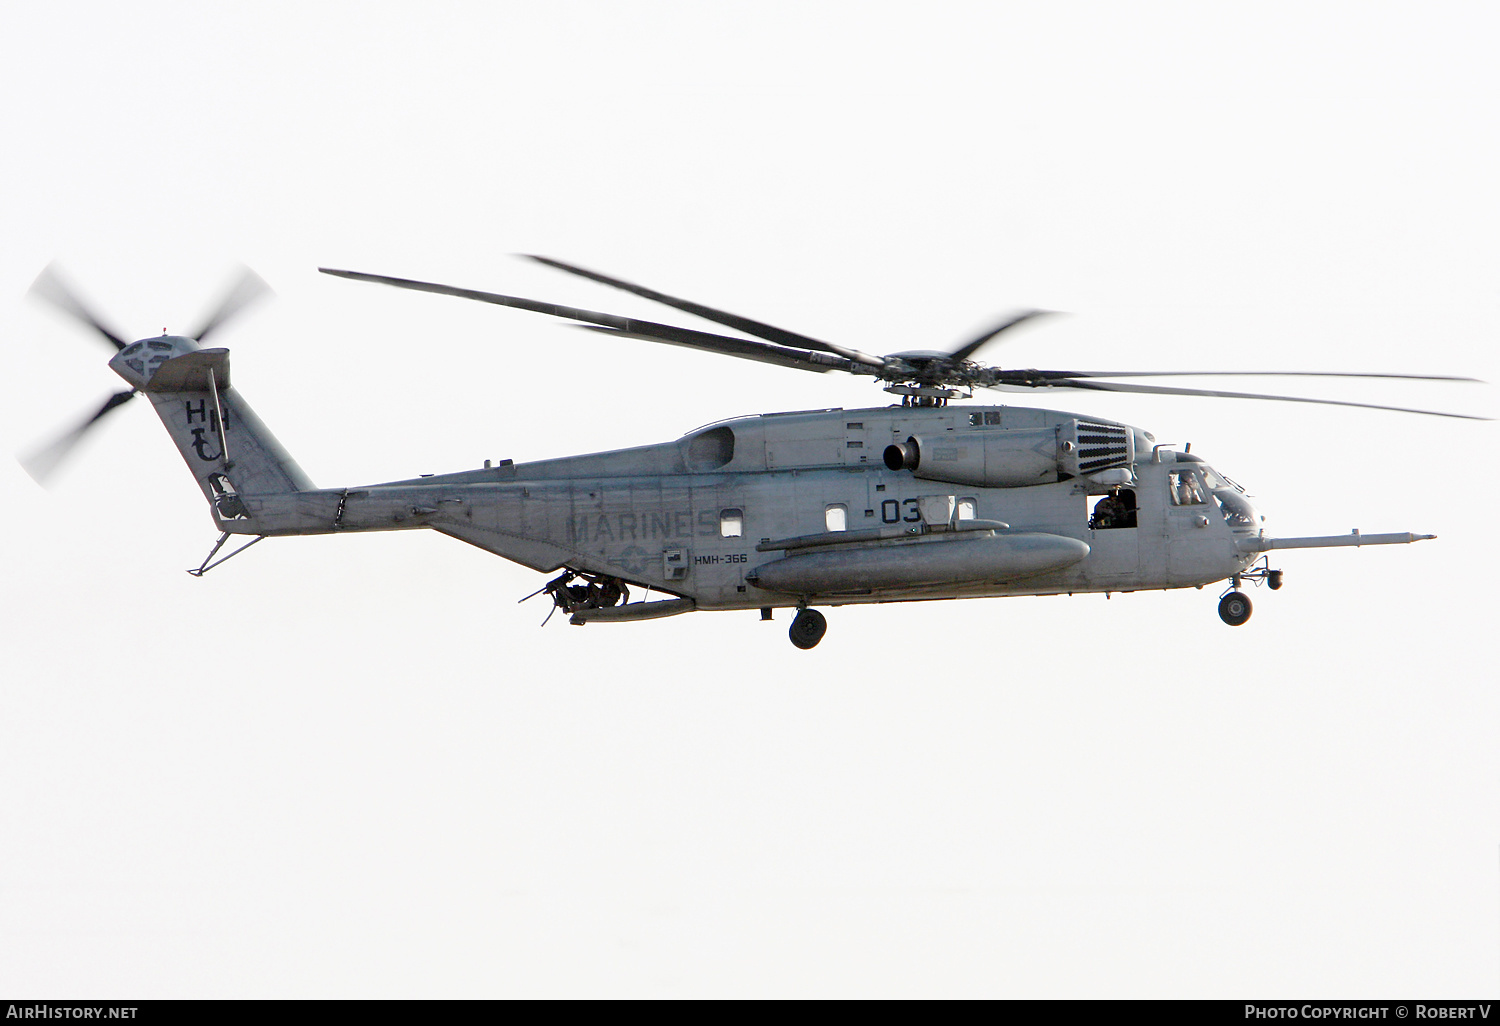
{"points": [[1234, 608], [808, 628]]}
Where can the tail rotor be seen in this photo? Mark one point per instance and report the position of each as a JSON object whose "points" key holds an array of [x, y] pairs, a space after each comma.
{"points": [[53, 289]]}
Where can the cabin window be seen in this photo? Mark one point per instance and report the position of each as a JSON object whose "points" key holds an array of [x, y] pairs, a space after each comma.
{"points": [[968, 509], [836, 516], [1185, 488], [731, 523]]}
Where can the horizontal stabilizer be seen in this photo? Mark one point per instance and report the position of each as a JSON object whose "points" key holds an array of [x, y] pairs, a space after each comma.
{"points": [[189, 372]]}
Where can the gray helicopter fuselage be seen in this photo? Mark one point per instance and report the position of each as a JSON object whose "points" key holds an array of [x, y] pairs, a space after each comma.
{"points": [[783, 509]]}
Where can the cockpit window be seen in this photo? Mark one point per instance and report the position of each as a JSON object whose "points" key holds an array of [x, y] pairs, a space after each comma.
{"points": [[1237, 512], [1216, 480], [1186, 489]]}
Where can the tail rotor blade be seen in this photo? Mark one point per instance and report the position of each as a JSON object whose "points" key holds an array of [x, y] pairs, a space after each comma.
{"points": [[50, 287], [42, 463], [246, 289]]}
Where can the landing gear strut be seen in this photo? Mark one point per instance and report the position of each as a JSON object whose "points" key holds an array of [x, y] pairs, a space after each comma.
{"points": [[1234, 605], [808, 628]]}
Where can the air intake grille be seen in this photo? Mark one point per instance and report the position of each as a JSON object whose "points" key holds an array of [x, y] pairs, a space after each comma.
{"points": [[1101, 446]]}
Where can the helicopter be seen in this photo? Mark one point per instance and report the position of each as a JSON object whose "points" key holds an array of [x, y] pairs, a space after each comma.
{"points": [[918, 500]]}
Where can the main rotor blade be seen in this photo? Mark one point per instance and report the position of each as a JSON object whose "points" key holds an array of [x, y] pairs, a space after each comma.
{"points": [[50, 287], [1038, 375], [968, 349], [742, 348], [623, 325], [769, 332], [1105, 386], [246, 289], [43, 462]]}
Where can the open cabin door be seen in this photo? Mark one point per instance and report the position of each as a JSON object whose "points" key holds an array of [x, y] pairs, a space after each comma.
{"points": [[1114, 530]]}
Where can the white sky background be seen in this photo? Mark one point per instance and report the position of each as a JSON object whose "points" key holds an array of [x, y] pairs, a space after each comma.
{"points": [[355, 767]]}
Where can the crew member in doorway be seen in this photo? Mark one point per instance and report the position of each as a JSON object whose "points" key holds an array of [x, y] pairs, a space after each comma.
{"points": [[1115, 510]]}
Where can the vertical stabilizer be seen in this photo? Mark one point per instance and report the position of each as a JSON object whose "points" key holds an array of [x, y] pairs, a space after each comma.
{"points": [[241, 453], [229, 450]]}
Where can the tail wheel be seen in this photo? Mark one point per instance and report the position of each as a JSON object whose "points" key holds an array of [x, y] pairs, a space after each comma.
{"points": [[1234, 608], [808, 628]]}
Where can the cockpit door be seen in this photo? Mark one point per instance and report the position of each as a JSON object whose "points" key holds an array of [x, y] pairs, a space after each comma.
{"points": [[1194, 526]]}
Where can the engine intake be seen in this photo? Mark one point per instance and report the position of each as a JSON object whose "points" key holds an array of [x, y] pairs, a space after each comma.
{"points": [[1014, 458], [902, 456]]}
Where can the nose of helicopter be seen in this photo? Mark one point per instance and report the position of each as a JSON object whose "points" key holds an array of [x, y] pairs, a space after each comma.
{"points": [[1245, 520]]}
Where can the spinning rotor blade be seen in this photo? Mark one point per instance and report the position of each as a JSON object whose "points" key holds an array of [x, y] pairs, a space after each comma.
{"points": [[750, 327], [50, 287], [968, 349], [43, 462], [247, 289], [621, 325], [1038, 376], [728, 346], [1107, 386]]}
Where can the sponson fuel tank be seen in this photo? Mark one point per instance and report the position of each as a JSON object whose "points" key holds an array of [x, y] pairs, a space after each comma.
{"points": [[959, 559]]}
